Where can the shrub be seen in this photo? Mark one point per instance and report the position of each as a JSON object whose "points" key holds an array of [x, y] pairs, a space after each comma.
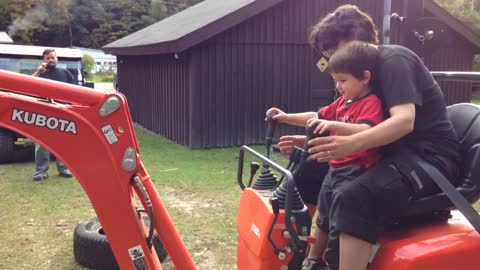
{"points": [[88, 64]]}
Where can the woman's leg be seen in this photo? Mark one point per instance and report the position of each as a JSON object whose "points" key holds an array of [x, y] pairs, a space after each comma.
{"points": [[357, 208], [354, 253]]}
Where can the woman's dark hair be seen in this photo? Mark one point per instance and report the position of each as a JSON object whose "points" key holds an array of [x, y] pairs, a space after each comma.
{"points": [[346, 23], [354, 58]]}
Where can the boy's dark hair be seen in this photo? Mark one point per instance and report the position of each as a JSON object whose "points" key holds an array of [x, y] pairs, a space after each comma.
{"points": [[47, 51], [354, 58], [346, 23]]}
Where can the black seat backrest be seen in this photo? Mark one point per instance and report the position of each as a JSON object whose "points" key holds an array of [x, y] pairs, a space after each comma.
{"points": [[465, 118]]}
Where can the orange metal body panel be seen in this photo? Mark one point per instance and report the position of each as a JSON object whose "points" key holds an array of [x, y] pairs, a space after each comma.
{"points": [[441, 246], [95, 162], [255, 217], [432, 247]]}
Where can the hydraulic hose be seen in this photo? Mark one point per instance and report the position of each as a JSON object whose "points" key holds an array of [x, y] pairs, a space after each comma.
{"points": [[141, 188]]}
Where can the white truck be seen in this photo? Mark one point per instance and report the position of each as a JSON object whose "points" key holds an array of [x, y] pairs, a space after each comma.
{"points": [[26, 59]]}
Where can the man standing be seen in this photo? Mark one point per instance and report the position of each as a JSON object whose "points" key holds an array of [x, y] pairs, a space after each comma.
{"points": [[49, 70]]}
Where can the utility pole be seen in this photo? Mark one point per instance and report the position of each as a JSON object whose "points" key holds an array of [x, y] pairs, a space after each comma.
{"points": [[69, 28]]}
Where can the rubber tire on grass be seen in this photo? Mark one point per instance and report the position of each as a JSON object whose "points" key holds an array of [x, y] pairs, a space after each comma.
{"points": [[91, 248], [6, 147]]}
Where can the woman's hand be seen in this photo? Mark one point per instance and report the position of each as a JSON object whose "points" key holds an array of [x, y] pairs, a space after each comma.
{"points": [[279, 115], [322, 125], [286, 143], [324, 149]]}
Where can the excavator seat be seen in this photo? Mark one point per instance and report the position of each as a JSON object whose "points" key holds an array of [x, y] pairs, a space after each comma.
{"points": [[466, 122]]}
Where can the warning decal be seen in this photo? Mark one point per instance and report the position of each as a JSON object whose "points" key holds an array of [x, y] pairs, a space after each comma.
{"points": [[138, 257], [109, 134]]}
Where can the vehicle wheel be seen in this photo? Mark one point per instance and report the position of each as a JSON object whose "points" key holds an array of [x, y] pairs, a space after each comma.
{"points": [[6, 147], [24, 154], [91, 248]]}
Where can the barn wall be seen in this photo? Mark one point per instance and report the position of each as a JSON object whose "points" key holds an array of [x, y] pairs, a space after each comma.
{"points": [[157, 91], [447, 51], [236, 84], [451, 52], [265, 61], [216, 93]]}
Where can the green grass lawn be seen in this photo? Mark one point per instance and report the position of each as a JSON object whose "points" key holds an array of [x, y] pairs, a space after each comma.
{"points": [[476, 100], [198, 187], [101, 77]]}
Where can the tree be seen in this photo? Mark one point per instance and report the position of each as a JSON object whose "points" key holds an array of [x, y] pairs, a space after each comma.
{"points": [[122, 17], [88, 63], [86, 16], [158, 11], [465, 10], [86, 23], [19, 18]]}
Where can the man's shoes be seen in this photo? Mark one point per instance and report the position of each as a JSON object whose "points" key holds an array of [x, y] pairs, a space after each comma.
{"points": [[66, 173], [40, 177], [314, 264]]}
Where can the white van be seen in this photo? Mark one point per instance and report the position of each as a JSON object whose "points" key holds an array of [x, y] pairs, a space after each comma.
{"points": [[26, 59]]}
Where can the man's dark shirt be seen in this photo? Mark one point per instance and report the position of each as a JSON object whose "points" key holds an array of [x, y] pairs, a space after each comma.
{"points": [[58, 74], [404, 79]]}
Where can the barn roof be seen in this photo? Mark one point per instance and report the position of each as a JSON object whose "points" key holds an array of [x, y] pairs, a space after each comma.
{"points": [[206, 19], [189, 27]]}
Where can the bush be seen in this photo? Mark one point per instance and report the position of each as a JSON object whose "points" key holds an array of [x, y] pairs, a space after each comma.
{"points": [[88, 64]]}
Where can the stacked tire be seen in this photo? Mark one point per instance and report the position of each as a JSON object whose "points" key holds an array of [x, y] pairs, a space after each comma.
{"points": [[92, 250], [6, 147]]}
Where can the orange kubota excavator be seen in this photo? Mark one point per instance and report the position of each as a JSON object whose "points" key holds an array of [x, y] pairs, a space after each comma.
{"points": [[92, 132]]}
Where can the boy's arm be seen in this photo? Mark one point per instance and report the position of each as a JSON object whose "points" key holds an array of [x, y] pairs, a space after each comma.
{"points": [[295, 119], [340, 128], [369, 114], [298, 119], [301, 119]]}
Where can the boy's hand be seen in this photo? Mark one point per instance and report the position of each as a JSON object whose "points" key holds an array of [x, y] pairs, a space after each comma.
{"points": [[322, 125], [279, 115]]}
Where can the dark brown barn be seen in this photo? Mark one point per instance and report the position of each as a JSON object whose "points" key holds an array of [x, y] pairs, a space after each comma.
{"points": [[205, 76]]}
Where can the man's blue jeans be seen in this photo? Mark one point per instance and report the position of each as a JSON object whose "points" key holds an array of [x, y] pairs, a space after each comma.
{"points": [[42, 161]]}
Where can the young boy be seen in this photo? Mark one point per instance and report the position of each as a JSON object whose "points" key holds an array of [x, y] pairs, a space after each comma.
{"points": [[357, 109]]}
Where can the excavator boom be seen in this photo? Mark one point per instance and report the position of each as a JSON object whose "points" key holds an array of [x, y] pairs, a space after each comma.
{"points": [[93, 134]]}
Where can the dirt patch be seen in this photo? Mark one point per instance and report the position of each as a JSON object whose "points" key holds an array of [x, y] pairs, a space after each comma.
{"points": [[188, 203], [192, 205], [204, 259]]}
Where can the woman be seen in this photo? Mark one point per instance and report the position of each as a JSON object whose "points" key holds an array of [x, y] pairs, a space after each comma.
{"points": [[416, 121]]}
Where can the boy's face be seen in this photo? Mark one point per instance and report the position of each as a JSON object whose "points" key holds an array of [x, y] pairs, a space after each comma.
{"points": [[349, 86]]}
